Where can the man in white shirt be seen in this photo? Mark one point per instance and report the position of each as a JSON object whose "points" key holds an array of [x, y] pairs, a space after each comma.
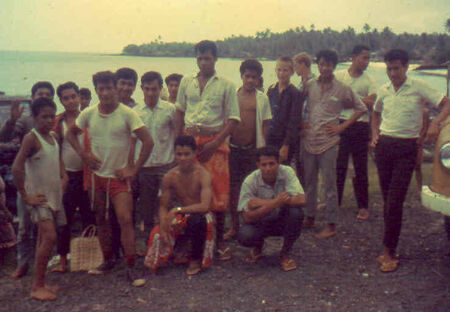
{"points": [[126, 84], [397, 121], [110, 126], [158, 116], [355, 139], [207, 108], [271, 203]]}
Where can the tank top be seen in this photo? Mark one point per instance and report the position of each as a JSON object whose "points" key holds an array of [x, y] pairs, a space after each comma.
{"points": [[42, 173], [72, 161]]}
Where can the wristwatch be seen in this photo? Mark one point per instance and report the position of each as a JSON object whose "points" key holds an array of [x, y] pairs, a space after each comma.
{"points": [[178, 209]]}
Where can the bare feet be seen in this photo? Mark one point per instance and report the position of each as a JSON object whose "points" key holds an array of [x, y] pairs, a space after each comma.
{"points": [[194, 267], [363, 214], [19, 272], [308, 222], [254, 255], [230, 234], [329, 231], [42, 294], [287, 262]]}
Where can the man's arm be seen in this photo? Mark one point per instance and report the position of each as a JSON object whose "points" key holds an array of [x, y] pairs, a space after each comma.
{"points": [[179, 122], [210, 147], [375, 125], [132, 152], [433, 129], [180, 105], [11, 128], [369, 100], [164, 201], [265, 128], [205, 196], [264, 208], [88, 158]]}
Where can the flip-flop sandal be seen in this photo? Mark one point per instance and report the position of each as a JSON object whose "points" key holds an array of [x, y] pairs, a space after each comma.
{"points": [[224, 254], [389, 266], [253, 257], [381, 259], [288, 264], [193, 271]]}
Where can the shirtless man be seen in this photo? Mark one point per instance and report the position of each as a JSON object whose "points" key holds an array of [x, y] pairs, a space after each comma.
{"points": [[249, 134], [190, 184]]}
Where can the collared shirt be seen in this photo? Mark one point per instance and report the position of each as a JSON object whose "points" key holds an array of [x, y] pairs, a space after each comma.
{"points": [[402, 111], [263, 113], [363, 86], [325, 108], [286, 109], [210, 109], [254, 186], [160, 122]]}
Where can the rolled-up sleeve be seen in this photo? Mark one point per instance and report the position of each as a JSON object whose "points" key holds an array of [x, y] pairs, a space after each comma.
{"points": [[248, 191], [231, 103], [293, 186], [181, 96]]}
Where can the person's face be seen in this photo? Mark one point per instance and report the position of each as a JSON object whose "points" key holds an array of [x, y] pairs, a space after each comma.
{"points": [[284, 72], [206, 62], [250, 79], [107, 92], [269, 168], [125, 89], [299, 68], [45, 120], [173, 88], [151, 92], [70, 99], [184, 156], [396, 72], [84, 102], [326, 68], [42, 93], [361, 61]]}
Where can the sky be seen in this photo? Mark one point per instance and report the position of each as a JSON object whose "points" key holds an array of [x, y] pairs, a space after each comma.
{"points": [[106, 26]]}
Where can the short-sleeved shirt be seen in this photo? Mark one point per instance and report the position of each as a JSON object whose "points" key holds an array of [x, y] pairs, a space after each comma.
{"points": [[363, 86], [110, 136], [262, 113], [325, 108], [254, 186], [160, 122], [402, 111], [215, 105]]}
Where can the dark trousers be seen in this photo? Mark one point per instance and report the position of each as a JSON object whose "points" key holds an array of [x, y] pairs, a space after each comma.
{"points": [[195, 233], [285, 221], [395, 159], [75, 196], [354, 142]]}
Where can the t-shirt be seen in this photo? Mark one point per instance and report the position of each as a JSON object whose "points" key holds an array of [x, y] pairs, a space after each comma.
{"points": [[363, 86], [254, 186], [402, 111], [110, 136]]}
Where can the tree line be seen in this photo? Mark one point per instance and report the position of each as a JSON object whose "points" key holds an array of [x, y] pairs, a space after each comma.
{"points": [[429, 48]]}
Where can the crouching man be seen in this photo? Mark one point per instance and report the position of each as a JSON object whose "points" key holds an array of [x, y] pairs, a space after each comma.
{"points": [[188, 184], [271, 203]]}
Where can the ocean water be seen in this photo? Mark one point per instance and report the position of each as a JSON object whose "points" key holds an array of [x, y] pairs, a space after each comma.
{"points": [[19, 70]]}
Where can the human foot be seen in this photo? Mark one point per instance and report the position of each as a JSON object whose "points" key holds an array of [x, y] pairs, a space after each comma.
{"points": [[53, 288], [287, 263], [363, 214], [254, 255], [19, 272], [329, 231], [224, 254], [231, 234], [61, 268], [42, 294], [194, 267]]}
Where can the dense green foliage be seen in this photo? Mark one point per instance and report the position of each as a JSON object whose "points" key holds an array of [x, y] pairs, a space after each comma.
{"points": [[432, 48]]}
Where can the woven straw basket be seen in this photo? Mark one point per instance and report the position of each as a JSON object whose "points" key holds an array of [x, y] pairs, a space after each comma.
{"points": [[85, 251]]}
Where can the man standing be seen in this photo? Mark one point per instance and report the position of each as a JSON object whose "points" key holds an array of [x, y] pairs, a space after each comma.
{"points": [[110, 126], [355, 139], [271, 203], [327, 98], [207, 108], [397, 121], [126, 84]]}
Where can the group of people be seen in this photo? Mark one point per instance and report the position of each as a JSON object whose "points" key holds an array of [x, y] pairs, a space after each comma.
{"points": [[173, 167]]}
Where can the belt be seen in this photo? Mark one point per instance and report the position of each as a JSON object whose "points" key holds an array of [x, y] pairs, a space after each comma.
{"points": [[243, 147]]}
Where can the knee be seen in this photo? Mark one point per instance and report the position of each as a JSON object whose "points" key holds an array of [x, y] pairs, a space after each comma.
{"points": [[247, 235], [125, 219], [48, 234]]}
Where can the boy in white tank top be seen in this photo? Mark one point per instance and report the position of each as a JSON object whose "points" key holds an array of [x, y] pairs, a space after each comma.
{"points": [[40, 178]]}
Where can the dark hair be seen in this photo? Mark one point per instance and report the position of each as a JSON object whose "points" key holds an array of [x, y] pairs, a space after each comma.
{"points": [[104, 77], [328, 55], [186, 140], [251, 64], [357, 49], [65, 86], [39, 104], [286, 59], [85, 92], [127, 73], [303, 58], [148, 77], [397, 54], [269, 151], [173, 77], [42, 85], [205, 46]]}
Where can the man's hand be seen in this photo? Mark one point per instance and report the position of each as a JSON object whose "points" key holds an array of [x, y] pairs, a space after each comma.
{"points": [[16, 111], [207, 151], [35, 200], [255, 203], [127, 173], [333, 129], [432, 133], [64, 181], [91, 160], [283, 198], [374, 140], [284, 151]]}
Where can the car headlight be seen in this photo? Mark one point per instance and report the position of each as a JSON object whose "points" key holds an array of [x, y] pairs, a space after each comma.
{"points": [[444, 155]]}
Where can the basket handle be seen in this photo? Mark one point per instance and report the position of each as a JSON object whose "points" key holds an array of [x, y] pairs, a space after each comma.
{"points": [[89, 231]]}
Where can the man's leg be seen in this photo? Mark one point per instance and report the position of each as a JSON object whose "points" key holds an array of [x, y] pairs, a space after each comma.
{"points": [[123, 206], [327, 164], [360, 151], [291, 219], [147, 203], [311, 171], [196, 232], [82, 200], [103, 226], [345, 145]]}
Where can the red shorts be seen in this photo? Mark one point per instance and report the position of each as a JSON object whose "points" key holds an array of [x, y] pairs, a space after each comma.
{"points": [[111, 186]]}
